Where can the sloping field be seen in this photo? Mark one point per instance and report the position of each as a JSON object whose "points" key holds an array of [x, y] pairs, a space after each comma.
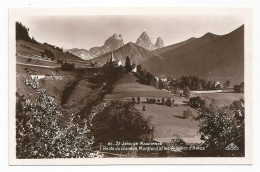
{"points": [[168, 122], [30, 50], [128, 86], [34, 61]]}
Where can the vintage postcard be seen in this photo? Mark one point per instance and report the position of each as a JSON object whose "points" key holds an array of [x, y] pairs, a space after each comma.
{"points": [[127, 85]]}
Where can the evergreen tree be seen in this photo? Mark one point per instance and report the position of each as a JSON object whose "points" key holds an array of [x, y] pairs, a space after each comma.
{"points": [[138, 100], [127, 64], [187, 92], [144, 108]]}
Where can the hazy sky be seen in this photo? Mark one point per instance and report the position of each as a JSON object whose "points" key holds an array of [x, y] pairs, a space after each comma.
{"points": [[89, 31]]}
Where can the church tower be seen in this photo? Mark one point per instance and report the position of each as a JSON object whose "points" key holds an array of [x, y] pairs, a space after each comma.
{"points": [[112, 57]]}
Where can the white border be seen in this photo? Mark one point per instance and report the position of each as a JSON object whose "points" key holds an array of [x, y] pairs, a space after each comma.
{"points": [[131, 11]]}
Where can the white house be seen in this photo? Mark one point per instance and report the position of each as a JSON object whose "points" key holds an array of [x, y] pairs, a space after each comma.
{"points": [[164, 79], [135, 69], [217, 84], [38, 76], [119, 63]]}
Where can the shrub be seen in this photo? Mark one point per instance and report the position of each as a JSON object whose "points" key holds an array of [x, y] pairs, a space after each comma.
{"points": [[196, 102], [60, 61], [67, 66], [29, 60], [177, 141]]}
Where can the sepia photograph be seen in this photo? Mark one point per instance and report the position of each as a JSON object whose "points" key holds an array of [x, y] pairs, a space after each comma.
{"points": [[119, 84]]}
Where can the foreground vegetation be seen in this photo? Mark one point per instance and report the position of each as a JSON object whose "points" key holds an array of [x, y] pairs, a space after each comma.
{"points": [[40, 136]]}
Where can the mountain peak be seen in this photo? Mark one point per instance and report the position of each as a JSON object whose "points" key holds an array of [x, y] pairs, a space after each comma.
{"points": [[144, 34], [118, 37], [209, 35], [114, 42], [145, 41], [159, 43]]}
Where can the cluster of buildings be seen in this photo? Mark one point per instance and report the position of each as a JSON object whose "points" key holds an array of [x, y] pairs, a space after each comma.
{"points": [[112, 62]]}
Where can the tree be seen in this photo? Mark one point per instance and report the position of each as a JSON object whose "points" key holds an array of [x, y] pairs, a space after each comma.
{"points": [[168, 102], [187, 92], [133, 100], [204, 84], [60, 61], [22, 33], [163, 101], [176, 89], [242, 87], [150, 78], [209, 85], [42, 54], [67, 66], [128, 66], [139, 68], [239, 88], [144, 108], [228, 83], [72, 66], [123, 123], [29, 60], [221, 126], [138, 100], [162, 84], [154, 100], [200, 86], [197, 102]]}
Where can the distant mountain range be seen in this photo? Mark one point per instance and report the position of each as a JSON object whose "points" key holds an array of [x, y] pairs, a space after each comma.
{"points": [[114, 42], [210, 56]]}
